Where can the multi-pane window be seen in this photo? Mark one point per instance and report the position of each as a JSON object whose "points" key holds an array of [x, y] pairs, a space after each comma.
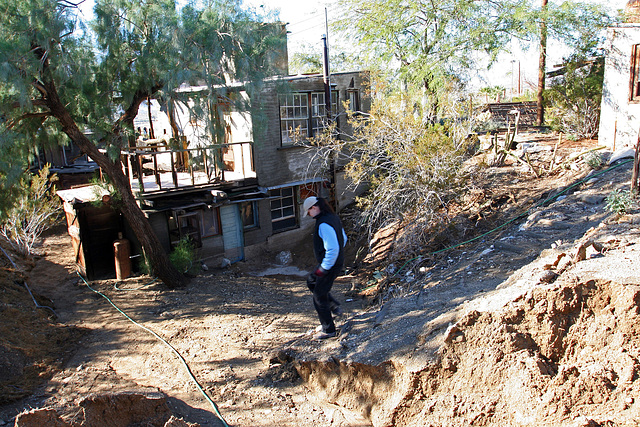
{"points": [[294, 114], [634, 81], [304, 114], [318, 112], [283, 208]]}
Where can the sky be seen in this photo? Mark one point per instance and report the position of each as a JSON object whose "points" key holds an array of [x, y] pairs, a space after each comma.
{"points": [[306, 25], [305, 19]]}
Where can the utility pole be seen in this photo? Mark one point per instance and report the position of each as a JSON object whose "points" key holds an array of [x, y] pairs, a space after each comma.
{"points": [[325, 69], [326, 74], [542, 64]]}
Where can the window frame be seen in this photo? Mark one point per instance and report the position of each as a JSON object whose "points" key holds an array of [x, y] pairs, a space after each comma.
{"points": [[284, 221], [215, 212], [315, 120], [354, 95], [254, 214], [295, 112]]}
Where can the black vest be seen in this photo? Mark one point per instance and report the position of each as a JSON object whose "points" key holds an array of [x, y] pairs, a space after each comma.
{"points": [[318, 247]]}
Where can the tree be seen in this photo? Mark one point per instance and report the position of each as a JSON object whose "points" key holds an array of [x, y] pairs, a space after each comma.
{"points": [[574, 95], [308, 59], [60, 77], [577, 25], [412, 170], [428, 41], [542, 65]]}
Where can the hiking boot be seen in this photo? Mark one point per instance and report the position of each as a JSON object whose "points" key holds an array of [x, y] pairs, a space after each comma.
{"points": [[337, 311]]}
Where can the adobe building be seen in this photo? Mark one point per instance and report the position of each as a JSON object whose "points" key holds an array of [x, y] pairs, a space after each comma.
{"points": [[620, 108]]}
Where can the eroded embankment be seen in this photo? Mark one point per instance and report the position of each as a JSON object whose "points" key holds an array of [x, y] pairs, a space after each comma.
{"points": [[562, 353]]}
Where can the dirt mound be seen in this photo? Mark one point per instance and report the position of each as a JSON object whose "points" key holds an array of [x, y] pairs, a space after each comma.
{"points": [[563, 354], [109, 410], [33, 344]]}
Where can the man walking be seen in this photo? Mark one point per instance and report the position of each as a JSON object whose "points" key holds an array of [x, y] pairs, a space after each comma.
{"points": [[329, 240]]}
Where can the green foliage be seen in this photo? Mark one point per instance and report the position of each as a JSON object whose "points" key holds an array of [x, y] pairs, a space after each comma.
{"points": [[593, 159], [308, 59], [132, 50], [60, 79], [103, 185], [427, 43], [36, 208], [183, 257], [574, 97], [619, 201], [305, 62]]}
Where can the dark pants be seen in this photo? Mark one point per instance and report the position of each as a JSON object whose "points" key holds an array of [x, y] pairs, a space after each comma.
{"points": [[323, 301]]}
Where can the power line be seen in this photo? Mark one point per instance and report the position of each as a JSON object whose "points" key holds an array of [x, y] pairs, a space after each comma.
{"points": [[331, 8]]}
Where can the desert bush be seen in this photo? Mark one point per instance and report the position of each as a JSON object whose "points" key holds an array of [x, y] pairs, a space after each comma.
{"points": [[412, 170], [183, 257], [593, 159], [573, 98], [34, 210], [619, 201]]}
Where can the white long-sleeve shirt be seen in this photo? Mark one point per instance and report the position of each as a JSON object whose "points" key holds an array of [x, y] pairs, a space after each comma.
{"points": [[331, 245]]}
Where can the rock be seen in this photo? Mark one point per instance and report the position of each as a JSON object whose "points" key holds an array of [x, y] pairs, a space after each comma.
{"points": [[591, 199], [548, 276], [628, 153], [283, 258], [581, 250]]}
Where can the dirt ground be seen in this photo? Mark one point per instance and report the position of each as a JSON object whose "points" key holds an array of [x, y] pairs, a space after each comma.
{"points": [[535, 323]]}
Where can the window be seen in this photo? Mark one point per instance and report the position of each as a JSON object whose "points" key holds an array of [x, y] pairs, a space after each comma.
{"points": [[185, 225], [304, 114], [634, 81], [354, 100], [283, 209], [210, 222], [249, 212], [294, 113]]}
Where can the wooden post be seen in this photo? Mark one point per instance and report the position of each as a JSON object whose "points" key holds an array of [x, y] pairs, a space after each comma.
{"points": [[635, 186]]}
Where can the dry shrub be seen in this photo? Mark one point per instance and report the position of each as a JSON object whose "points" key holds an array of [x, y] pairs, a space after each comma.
{"points": [[412, 170], [34, 211]]}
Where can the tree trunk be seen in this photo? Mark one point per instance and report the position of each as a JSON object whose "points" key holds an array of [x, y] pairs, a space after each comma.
{"points": [[542, 65], [135, 217]]}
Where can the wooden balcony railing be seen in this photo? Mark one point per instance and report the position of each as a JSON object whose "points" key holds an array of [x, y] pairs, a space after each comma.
{"points": [[159, 168]]}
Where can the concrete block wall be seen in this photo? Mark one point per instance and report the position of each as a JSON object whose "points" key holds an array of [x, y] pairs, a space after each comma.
{"points": [[277, 165]]}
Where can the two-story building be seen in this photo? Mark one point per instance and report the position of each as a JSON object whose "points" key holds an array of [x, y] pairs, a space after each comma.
{"points": [[235, 198]]}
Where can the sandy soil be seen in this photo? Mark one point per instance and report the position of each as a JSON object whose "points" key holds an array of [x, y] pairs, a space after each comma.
{"points": [[227, 325], [448, 340]]}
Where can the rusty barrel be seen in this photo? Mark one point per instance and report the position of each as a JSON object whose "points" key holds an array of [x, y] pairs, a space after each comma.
{"points": [[122, 253]]}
